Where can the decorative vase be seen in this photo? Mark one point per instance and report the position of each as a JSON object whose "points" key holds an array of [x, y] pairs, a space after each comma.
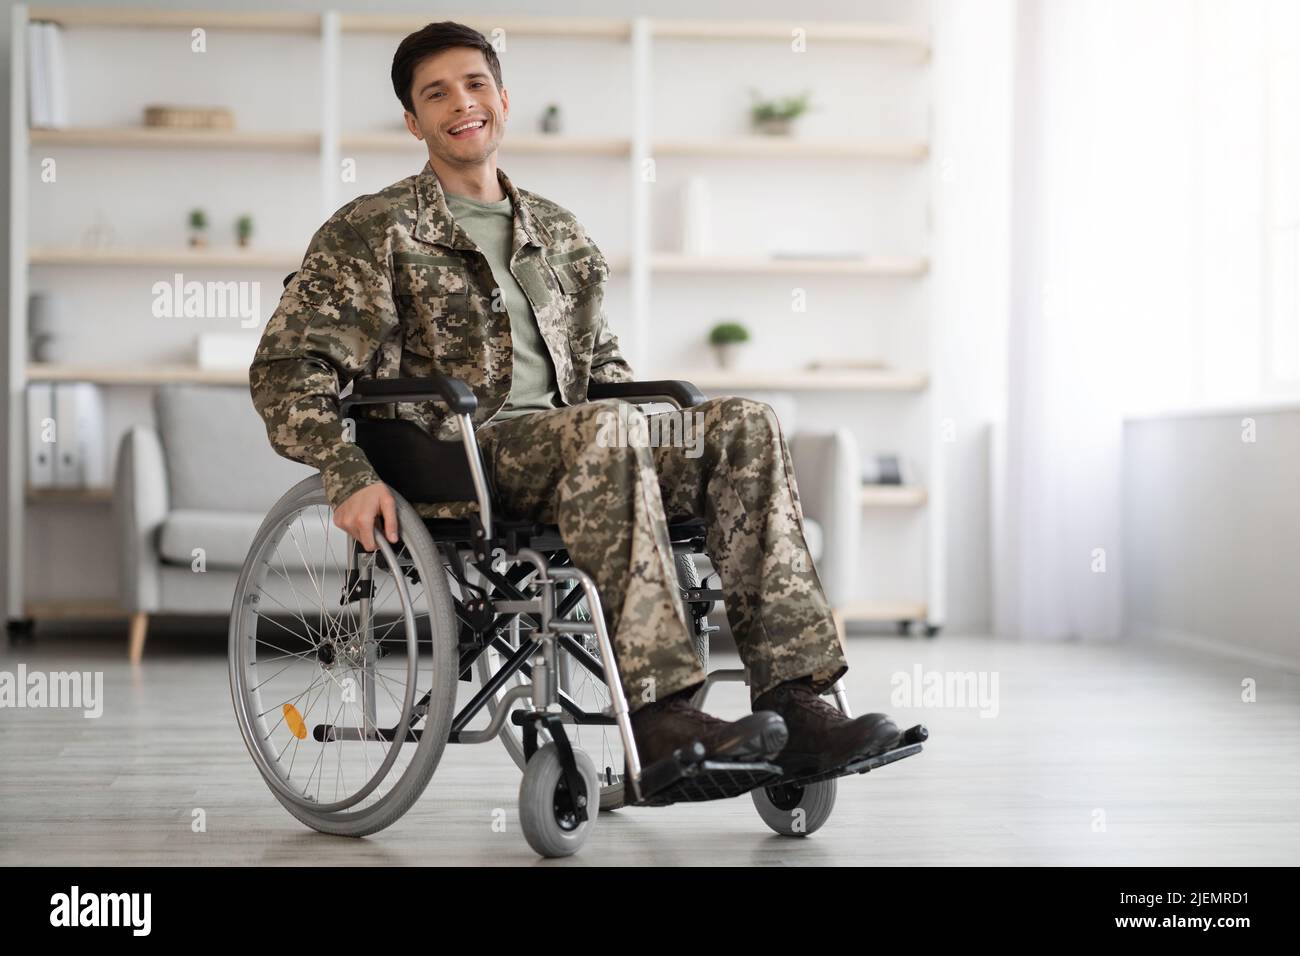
{"points": [[43, 341], [774, 127], [728, 354], [697, 228]]}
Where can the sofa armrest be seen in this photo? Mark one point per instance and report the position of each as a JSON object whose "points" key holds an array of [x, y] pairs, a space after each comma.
{"points": [[826, 469], [141, 502]]}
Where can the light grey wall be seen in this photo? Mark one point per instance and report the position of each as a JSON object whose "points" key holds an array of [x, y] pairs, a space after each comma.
{"points": [[1212, 530]]}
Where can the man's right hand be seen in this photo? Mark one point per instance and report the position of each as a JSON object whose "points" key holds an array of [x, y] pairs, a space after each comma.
{"points": [[357, 514]]}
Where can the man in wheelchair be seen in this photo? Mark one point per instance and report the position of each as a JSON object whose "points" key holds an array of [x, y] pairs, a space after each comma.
{"points": [[456, 271]]}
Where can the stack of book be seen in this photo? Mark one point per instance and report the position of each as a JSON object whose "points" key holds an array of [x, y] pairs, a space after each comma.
{"points": [[65, 436], [47, 101]]}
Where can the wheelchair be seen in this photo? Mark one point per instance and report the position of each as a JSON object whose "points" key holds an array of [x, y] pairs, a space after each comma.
{"points": [[345, 665]]}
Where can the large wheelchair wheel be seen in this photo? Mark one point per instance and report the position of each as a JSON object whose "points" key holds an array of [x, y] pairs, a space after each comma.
{"points": [[343, 679]]}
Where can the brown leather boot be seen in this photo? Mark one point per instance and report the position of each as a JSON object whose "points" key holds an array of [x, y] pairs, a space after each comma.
{"points": [[661, 727], [821, 737]]}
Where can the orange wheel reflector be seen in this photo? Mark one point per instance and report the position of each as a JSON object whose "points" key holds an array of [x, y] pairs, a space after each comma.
{"points": [[294, 721]]}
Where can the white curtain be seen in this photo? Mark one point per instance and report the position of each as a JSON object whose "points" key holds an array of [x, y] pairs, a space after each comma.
{"points": [[1139, 239]]}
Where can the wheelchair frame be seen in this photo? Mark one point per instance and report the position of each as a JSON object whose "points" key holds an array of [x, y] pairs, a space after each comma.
{"points": [[683, 776]]}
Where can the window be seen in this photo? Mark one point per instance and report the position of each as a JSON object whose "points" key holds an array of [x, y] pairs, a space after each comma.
{"points": [[1282, 199]]}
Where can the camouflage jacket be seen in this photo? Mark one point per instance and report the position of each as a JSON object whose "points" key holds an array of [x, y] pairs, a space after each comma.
{"points": [[392, 286]]}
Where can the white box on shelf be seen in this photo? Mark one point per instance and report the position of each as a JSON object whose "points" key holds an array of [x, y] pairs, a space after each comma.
{"points": [[697, 226]]}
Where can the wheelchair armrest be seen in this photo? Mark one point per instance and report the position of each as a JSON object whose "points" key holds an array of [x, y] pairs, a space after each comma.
{"points": [[462, 403], [680, 393], [378, 391]]}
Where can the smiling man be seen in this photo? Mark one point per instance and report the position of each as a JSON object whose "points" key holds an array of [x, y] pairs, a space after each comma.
{"points": [[457, 270]]}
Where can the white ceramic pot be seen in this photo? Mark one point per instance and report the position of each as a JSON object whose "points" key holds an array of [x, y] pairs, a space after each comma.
{"points": [[728, 354]]}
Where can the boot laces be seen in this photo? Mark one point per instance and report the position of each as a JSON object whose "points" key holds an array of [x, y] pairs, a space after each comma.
{"points": [[684, 704], [814, 703]]}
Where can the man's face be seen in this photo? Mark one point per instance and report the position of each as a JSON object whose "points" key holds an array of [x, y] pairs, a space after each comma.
{"points": [[455, 90]]}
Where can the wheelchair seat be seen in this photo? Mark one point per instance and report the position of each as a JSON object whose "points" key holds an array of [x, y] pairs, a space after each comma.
{"points": [[424, 470]]}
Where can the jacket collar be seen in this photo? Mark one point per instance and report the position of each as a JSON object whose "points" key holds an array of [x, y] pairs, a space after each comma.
{"points": [[435, 223]]}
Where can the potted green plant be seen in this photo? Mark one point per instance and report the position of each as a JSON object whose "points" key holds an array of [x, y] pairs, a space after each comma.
{"points": [[775, 117], [551, 119], [244, 230], [198, 228], [727, 339]]}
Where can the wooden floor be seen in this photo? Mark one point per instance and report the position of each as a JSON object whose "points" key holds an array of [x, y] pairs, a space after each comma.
{"points": [[1156, 738]]}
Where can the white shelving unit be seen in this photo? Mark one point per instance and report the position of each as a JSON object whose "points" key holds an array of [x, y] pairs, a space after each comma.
{"points": [[644, 264]]}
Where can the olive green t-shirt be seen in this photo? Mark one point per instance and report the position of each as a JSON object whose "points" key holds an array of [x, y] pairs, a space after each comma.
{"points": [[491, 226]]}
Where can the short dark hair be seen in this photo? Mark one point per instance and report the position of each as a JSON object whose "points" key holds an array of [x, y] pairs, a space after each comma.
{"points": [[434, 38]]}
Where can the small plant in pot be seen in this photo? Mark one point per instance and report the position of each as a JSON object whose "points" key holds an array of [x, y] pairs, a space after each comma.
{"points": [[776, 117], [551, 119], [198, 228], [727, 339], [244, 230]]}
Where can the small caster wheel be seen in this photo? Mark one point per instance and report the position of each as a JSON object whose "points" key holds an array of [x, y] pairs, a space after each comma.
{"points": [[795, 811], [546, 808], [904, 628], [931, 630]]}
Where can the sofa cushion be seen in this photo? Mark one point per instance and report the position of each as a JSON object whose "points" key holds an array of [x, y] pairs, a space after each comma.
{"points": [[217, 452], [226, 536]]}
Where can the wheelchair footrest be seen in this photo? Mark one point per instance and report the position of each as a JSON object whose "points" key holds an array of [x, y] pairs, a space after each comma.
{"points": [[686, 777], [909, 744]]}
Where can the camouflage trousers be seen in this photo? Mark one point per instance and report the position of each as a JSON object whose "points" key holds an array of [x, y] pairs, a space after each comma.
{"points": [[605, 473]]}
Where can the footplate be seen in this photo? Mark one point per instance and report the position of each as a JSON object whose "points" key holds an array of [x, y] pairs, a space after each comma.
{"points": [[686, 777], [909, 743]]}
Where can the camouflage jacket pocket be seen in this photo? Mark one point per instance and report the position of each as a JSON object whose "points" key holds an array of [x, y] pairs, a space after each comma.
{"points": [[432, 295], [579, 269], [314, 319], [581, 275]]}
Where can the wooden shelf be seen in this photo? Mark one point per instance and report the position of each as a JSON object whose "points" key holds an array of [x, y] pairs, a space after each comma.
{"points": [[218, 258], [804, 380], [211, 258], [849, 31], [893, 496], [69, 495], [781, 146], [524, 143], [153, 137], [149, 375], [562, 27], [904, 266], [179, 19], [757, 147], [882, 34]]}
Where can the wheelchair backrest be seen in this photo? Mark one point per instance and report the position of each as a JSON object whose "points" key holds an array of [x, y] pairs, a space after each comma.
{"points": [[418, 467]]}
